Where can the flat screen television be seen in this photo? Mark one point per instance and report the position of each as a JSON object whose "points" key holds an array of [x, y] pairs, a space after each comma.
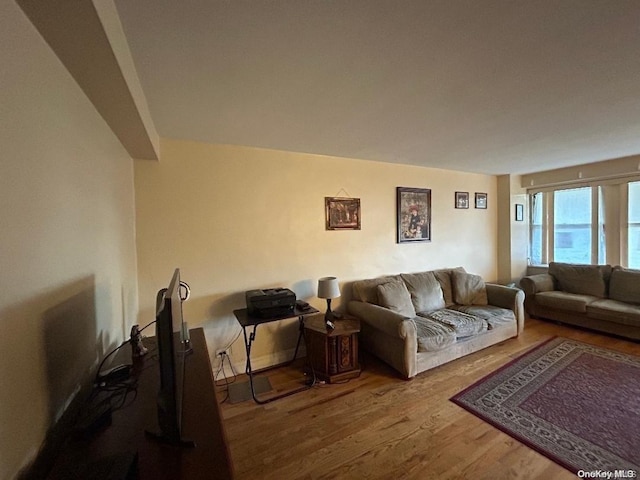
{"points": [[172, 351]]}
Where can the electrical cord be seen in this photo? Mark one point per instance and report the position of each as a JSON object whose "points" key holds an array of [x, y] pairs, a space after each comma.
{"points": [[124, 393], [314, 379], [110, 393], [226, 384], [147, 325], [232, 342], [105, 398], [224, 355], [220, 369], [97, 378], [233, 370]]}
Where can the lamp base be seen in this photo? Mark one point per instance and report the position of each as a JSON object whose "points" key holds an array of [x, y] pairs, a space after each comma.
{"points": [[328, 320]]}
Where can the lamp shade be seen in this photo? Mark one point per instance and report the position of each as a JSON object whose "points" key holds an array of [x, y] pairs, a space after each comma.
{"points": [[328, 287]]}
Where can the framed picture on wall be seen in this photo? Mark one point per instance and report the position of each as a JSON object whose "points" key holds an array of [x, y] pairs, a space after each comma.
{"points": [[519, 212], [342, 213], [481, 200], [413, 214], [462, 199]]}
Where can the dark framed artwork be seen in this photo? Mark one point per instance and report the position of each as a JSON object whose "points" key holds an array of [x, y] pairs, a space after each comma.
{"points": [[481, 200], [462, 199], [414, 214], [342, 213], [519, 212]]}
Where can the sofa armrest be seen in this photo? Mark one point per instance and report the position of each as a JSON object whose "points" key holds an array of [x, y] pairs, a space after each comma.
{"points": [[507, 297], [532, 284], [390, 336], [383, 319]]}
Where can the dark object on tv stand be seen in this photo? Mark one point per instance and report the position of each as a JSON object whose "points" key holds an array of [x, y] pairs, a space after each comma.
{"points": [[201, 421], [171, 357]]}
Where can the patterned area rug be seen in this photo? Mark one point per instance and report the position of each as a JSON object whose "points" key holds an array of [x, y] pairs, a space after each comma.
{"points": [[575, 403]]}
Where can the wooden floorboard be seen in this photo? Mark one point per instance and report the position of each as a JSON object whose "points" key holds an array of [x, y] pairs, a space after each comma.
{"points": [[379, 426]]}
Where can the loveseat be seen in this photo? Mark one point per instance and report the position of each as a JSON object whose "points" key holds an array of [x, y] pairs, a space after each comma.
{"points": [[417, 321], [598, 297]]}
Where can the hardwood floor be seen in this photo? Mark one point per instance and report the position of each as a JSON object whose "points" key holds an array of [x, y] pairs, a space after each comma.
{"points": [[379, 426]]}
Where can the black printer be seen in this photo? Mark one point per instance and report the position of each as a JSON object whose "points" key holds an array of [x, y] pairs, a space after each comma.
{"points": [[270, 303]]}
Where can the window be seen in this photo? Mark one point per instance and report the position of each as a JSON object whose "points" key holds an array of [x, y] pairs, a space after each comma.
{"points": [[592, 224], [536, 256], [602, 242], [634, 225], [572, 225]]}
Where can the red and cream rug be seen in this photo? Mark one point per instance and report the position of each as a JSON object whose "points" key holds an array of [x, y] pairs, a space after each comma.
{"points": [[575, 403]]}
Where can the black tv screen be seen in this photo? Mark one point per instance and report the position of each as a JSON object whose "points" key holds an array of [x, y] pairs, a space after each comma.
{"points": [[171, 358]]}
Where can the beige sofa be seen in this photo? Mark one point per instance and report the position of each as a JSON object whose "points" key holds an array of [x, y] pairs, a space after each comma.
{"points": [[598, 297], [418, 321]]}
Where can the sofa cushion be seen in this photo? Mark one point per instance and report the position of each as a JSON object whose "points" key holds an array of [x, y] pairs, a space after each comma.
{"points": [[494, 316], [541, 282], [367, 290], [565, 301], [395, 296], [468, 289], [444, 278], [615, 312], [581, 279], [464, 324], [432, 335], [624, 285], [425, 290]]}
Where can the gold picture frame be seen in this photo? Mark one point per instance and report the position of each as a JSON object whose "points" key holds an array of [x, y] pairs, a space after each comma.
{"points": [[342, 213]]}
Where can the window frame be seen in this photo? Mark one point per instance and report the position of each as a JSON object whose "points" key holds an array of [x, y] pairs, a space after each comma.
{"points": [[616, 244], [626, 233]]}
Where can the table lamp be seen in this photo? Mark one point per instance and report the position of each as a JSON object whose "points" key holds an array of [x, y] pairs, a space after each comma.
{"points": [[328, 288]]}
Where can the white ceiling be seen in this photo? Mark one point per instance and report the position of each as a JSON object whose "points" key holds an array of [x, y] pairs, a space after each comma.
{"points": [[496, 87]]}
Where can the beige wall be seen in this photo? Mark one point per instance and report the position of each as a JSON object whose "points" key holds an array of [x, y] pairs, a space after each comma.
{"points": [[69, 288], [235, 219], [513, 236]]}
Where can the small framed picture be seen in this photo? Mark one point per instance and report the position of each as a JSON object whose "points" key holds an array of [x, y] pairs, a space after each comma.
{"points": [[462, 199], [481, 200], [519, 212], [414, 214], [342, 213]]}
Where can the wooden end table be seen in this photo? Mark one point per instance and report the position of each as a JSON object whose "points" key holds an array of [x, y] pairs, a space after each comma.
{"points": [[333, 354]]}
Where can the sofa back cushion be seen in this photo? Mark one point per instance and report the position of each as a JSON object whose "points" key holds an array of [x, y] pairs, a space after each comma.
{"points": [[624, 285], [468, 289], [367, 290], [444, 278], [581, 279], [396, 297], [426, 292]]}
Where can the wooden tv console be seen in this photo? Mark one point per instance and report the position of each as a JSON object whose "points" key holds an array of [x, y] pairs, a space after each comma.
{"points": [[201, 422]]}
